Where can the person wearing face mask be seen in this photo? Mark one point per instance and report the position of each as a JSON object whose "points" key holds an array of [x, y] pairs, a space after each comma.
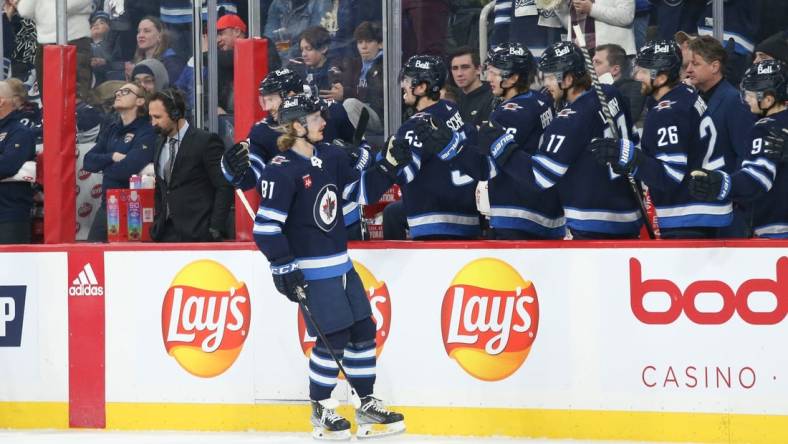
{"points": [[122, 149], [192, 198], [297, 227], [763, 176]]}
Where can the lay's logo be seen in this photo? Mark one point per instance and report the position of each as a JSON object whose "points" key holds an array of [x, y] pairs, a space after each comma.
{"points": [[380, 301], [489, 319], [205, 318]]}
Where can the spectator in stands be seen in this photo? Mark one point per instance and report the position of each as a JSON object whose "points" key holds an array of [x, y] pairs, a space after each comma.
{"points": [[475, 98], [350, 14], [642, 16], [23, 30], [16, 195], [192, 197], [731, 116], [153, 43], [152, 75], [287, 19], [613, 67], [314, 66], [741, 21], [672, 16], [43, 13], [425, 26], [602, 21], [177, 15], [123, 149], [363, 79], [100, 48], [774, 47]]}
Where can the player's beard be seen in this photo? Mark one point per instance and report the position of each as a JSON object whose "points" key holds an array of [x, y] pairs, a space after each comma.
{"points": [[646, 89]]}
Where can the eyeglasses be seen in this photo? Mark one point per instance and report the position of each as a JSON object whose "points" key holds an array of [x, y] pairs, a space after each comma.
{"points": [[125, 92]]}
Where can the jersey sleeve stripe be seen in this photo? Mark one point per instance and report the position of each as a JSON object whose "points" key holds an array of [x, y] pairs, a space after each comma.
{"points": [[759, 177], [542, 180], [556, 168], [676, 159], [674, 174], [348, 191], [266, 229], [763, 163], [349, 207], [271, 214]]}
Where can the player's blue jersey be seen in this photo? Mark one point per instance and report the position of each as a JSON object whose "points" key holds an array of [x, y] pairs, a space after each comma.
{"points": [[678, 137], [439, 200], [512, 206], [299, 212], [766, 181], [595, 199]]}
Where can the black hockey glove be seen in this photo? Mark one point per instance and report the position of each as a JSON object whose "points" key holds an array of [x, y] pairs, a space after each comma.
{"points": [[288, 278], [236, 160], [360, 157], [437, 139], [621, 154], [396, 154], [775, 145], [495, 141], [709, 186]]}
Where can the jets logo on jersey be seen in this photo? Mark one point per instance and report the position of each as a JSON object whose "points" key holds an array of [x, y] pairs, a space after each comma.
{"points": [[665, 104], [566, 112], [307, 181], [326, 207], [511, 106], [279, 160], [128, 137]]}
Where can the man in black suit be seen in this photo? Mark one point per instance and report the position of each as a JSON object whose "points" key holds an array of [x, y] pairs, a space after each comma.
{"points": [[192, 197]]}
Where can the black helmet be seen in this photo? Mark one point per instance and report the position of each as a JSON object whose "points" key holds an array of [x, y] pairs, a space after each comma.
{"points": [[511, 58], [767, 76], [425, 69], [660, 56], [297, 107], [282, 81], [562, 58]]}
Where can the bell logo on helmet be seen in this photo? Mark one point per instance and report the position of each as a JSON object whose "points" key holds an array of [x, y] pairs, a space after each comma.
{"points": [[765, 69], [661, 49], [290, 103], [423, 65], [281, 72], [516, 51], [559, 52]]}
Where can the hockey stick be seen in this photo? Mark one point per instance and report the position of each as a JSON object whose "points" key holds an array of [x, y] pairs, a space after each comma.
{"points": [[354, 399], [633, 185], [245, 202], [358, 137]]}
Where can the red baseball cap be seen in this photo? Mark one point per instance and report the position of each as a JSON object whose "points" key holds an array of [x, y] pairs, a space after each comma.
{"points": [[230, 21]]}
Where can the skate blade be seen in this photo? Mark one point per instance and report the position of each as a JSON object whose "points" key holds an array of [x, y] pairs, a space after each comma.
{"points": [[367, 431], [327, 435]]}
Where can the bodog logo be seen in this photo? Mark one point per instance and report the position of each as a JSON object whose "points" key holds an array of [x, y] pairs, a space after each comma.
{"points": [[205, 318], [489, 319], [379, 299]]}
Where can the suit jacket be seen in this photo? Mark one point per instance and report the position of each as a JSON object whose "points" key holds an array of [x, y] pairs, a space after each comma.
{"points": [[198, 196]]}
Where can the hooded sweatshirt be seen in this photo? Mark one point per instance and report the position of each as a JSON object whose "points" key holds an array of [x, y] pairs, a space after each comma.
{"points": [[155, 68]]}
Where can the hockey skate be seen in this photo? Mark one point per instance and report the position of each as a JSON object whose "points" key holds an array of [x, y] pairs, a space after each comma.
{"points": [[327, 424], [375, 420]]}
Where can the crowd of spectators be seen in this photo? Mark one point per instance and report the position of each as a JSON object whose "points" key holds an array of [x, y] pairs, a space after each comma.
{"points": [[145, 47]]}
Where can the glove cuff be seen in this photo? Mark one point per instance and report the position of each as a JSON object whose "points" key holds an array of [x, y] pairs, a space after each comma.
{"points": [[451, 149], [284, 266], [725, 185]]}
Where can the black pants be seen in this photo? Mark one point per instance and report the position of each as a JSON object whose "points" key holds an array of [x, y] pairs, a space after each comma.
{"points": [[590, 235], [689, 233], [395, 223], [98, 230], [18, 232]]}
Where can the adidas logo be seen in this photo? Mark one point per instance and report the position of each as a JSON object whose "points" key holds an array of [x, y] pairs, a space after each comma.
{"points": [[86, 284]]}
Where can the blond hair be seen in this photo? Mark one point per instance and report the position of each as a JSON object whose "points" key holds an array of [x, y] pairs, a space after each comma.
{"points": [[288, 137]]}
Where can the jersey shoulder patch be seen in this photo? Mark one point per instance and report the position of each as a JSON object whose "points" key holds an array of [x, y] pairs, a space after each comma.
{"points": [[566, 113]]}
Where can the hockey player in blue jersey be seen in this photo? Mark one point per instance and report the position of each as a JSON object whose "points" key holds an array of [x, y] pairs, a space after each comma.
{"points": [[439, 201], [243, 163], [297, 229], [597, 203], [677, 137], [763, 177], [515, 212]]}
